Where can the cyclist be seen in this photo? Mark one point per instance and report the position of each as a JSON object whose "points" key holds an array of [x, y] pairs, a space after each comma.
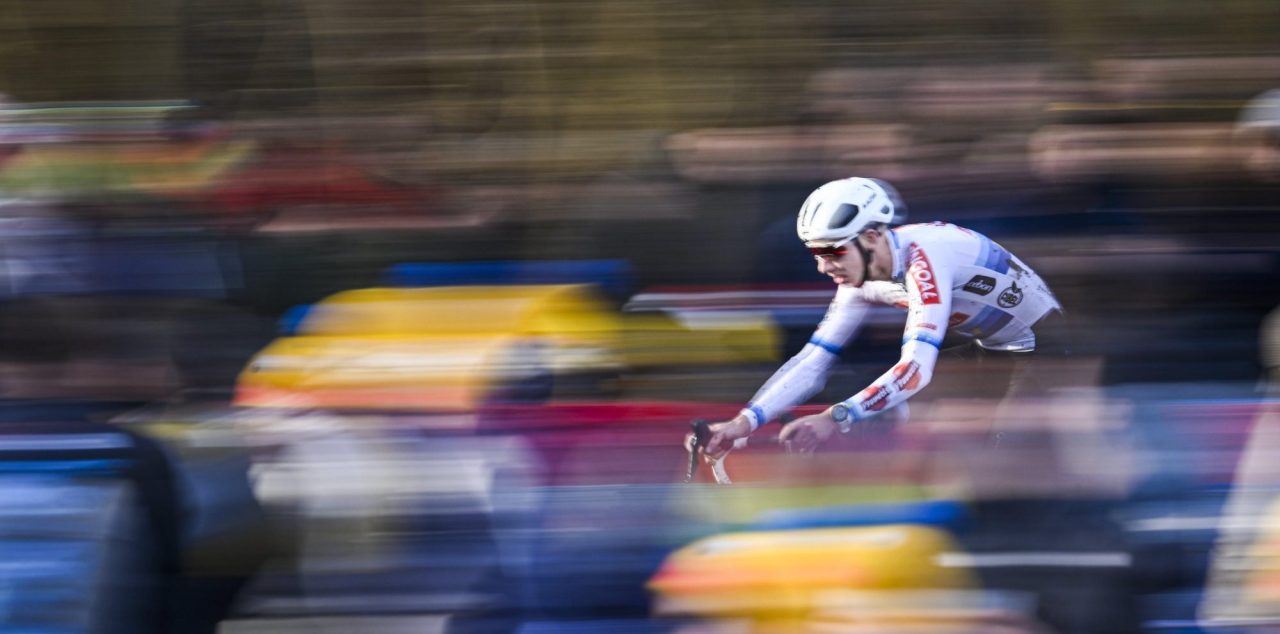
{"points": [[950, 280]]}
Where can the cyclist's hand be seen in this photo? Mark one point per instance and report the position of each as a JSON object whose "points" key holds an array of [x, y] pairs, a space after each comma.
{"points": [[805, 434], [723, 435]]}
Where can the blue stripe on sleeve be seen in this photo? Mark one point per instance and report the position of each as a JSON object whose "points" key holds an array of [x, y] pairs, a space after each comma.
{"points": [[854, 414], [755, 409], [825, 345], [933, 340]]}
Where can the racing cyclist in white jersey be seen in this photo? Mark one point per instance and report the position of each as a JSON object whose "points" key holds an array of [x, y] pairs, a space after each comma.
{"points": [[948, 278]]}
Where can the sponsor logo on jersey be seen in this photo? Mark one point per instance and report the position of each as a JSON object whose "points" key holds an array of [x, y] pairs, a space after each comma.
{"points": [[921, 272], [906, 376], [1010, 297], [980, 285], [956, 319], [873, 399], [927, 327]]}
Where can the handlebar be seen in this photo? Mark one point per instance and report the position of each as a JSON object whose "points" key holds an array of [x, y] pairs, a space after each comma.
{"points": [[697, 439]]}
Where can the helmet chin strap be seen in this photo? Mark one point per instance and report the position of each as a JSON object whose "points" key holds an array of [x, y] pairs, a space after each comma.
{"points": [[866, 260]]}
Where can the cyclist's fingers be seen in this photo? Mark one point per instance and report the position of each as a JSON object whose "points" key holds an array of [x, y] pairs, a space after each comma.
{"points": [[714, 450], [800, 438], [712, 445], [715, 444]]}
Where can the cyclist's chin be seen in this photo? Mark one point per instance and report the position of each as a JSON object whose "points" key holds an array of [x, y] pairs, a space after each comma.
{"points": [[841, 280]]}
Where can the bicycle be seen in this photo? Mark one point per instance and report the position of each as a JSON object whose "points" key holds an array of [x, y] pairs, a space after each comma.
{"points": [[927, 565], [697, 439]]}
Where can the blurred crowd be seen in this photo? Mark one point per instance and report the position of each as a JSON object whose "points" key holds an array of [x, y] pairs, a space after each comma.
{"points": [[391, 316]]}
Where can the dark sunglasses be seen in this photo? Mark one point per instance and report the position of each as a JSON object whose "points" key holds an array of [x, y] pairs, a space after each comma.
{"points": [[830, 251]]}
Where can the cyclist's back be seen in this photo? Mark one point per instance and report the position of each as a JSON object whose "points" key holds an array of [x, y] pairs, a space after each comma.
{"points": [[995, 298]]}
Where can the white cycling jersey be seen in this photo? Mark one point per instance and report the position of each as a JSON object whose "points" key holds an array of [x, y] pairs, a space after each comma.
{"points": [[949, 280]]}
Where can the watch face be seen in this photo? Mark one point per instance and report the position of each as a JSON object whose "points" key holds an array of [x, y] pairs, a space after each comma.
{"points": [[840, 412]]}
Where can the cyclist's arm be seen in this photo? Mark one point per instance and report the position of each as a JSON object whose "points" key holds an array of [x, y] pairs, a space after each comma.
{"points": [[929, 292], [806, 373]]}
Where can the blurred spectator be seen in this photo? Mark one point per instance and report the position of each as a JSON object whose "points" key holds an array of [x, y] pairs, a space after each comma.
{"points": [[226, 44], [1259, 129], [41, 252], [1237, 588], [38, 247]]}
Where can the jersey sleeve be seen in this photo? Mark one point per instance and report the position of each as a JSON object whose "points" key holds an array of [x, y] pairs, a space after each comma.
{"points": [[886, 293], [806, 373], [928, 290]]}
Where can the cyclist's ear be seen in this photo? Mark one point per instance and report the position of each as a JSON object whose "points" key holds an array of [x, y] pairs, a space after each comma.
{"points": [[871, 237]]}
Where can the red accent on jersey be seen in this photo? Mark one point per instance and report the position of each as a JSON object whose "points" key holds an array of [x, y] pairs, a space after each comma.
{"points": [[956, 319], [920, 271], [874, 399], [906, 376]]}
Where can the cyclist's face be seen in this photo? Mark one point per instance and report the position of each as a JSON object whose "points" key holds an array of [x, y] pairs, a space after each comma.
{"points": [[844, 269]]}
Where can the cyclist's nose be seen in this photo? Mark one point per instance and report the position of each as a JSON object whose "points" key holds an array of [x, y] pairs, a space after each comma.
{"points": [[825, 266]]}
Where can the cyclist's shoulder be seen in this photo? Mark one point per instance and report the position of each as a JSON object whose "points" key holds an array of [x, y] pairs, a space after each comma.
{"points": [[939, 243], [936, 232]]}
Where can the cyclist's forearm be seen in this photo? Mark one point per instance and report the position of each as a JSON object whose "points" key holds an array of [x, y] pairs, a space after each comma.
{"points": [[905, 379], [793, 383]]}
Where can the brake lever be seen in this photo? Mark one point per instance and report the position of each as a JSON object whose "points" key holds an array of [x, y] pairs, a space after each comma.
{"points": [[693, 443], [697, 439]]}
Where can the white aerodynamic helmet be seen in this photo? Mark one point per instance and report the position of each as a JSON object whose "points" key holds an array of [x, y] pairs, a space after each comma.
{"points": [[840, 210]]}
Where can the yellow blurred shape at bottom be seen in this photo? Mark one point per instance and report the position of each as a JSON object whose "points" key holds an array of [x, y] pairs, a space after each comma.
{"points": [[1262, 581], [772, 574]]}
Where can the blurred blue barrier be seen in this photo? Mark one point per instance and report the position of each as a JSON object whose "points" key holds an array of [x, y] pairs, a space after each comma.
{"points": [[292, 319], [940, 513], [76, 557], [611, 626]]}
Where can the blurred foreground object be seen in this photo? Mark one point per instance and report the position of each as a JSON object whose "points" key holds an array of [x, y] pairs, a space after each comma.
{"points": [[1244, 586], [895, 574], [90, 527], [1245, 576], [453, 348]]}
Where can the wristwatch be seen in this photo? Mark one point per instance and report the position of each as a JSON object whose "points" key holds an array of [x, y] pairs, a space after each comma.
{"points": [[840, 414]]}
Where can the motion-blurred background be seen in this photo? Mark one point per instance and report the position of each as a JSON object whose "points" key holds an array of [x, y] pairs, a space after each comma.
{"points": [[390, 316]]}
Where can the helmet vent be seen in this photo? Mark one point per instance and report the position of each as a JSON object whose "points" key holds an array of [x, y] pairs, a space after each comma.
{"points": [[844, 215]]}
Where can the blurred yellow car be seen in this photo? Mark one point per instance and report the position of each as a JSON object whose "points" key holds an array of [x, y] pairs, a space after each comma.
{"points": [[453, 348]]}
